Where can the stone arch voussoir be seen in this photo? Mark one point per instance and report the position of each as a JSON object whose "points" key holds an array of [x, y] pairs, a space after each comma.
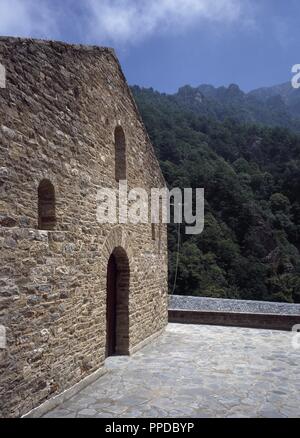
{"points": [[116, 238]]}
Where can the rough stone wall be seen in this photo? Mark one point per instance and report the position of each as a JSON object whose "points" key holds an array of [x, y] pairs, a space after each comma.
{"points": [[58, 114]]}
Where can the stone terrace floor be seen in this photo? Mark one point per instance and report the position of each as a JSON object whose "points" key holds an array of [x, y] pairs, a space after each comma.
{"points": [[198, 371]]}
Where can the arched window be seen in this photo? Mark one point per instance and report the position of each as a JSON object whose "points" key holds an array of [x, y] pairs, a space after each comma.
{"points": [[46, 205], [120, 154]]}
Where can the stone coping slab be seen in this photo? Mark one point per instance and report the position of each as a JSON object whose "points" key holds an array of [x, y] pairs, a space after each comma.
{"points": [[177, 302]]}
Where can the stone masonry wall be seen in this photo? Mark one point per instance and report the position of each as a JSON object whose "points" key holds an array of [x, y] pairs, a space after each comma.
{"points": [[58, 114]]}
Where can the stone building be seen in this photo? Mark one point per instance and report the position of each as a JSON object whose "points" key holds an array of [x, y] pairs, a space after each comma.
{"points": [[69, 126]]}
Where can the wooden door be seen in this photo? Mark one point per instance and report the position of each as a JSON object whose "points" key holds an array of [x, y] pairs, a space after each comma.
{"points": [[111, 306]]}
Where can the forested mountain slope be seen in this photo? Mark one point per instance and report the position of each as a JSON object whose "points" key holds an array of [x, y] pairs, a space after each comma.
{"points": [[251, 174]]}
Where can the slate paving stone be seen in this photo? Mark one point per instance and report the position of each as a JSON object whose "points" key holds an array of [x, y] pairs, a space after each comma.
{"points": [[104, 415], [196, 371], [59, 413], [88, 412]]}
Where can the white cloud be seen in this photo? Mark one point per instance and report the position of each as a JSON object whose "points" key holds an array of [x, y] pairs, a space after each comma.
{"points": [[26, 18], [131, 21], [112, 21]]}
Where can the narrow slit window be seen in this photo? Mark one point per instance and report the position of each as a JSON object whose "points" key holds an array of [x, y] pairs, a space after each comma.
{"points": [[120, 154], [159, 236], [46, 205], [153, 231]]}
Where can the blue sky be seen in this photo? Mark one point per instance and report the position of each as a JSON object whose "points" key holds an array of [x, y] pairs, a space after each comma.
{"points": [[166, 44]]}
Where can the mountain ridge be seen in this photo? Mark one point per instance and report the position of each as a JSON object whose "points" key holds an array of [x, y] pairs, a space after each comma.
{"points": [[277, 105]]}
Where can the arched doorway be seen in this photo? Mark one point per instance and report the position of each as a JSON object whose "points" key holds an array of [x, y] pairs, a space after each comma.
{"points": [[117, 302]]}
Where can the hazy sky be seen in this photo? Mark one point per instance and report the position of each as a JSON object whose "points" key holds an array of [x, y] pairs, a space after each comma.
{"points": [[169, 43]]}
